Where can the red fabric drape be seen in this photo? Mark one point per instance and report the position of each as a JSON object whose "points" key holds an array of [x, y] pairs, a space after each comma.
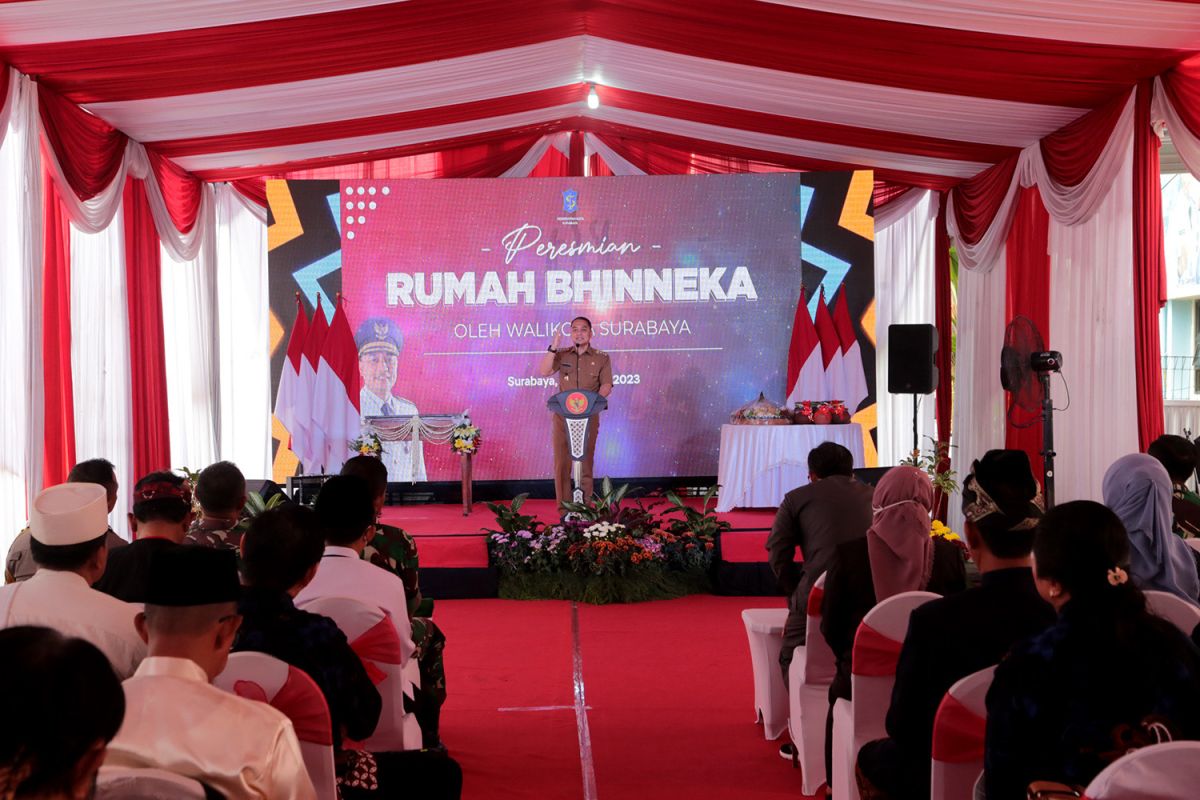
{"points": [[977, 201], [598, 168], [89, 150], [181, 190], [553, 165], [59, 443], [944, 360], [253, 189], [1071, 151], [1182, 86], [1028, 294], [1149, 270], [885, 193], [147, 354], [576, 155], [3, 84], [482, 157]]}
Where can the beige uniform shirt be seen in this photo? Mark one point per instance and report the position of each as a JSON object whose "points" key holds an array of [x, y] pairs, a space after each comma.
{"points": [[590, 371], [175, 720]]}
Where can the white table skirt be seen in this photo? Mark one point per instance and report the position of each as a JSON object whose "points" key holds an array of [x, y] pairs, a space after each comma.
{"points": [[759, 464]]}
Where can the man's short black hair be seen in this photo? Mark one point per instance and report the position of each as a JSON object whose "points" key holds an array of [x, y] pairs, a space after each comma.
{"points": [[168, 508], [94, 470], [221, 488], [345, 507], [370, 469], [64, 700], [65, 557], [281, 545], [585, 319], [1175, 453], [830, 458]]}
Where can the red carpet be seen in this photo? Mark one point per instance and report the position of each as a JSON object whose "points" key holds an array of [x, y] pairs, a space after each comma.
{"points": [[448, 539], [668, 689]]}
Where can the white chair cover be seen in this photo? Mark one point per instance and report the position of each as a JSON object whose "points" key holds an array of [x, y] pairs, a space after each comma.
{"points": [[764, 630], [130, 783], [1174, 609], [1169, 771], [862, 719], [812, 670], [270, 674], [397, 729], [962, 718]]}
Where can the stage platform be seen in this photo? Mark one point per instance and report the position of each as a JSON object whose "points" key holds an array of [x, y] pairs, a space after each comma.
{"points": [[454, 561]]}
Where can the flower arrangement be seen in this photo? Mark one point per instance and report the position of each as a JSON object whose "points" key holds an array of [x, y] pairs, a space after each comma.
{"points": [[465, 438], [613, 553], [369, 444], [941, 531]]}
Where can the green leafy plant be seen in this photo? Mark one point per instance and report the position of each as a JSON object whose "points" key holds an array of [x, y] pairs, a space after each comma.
{"points": [[255, 504], [510, 520], [935, 461], [606, 505]]}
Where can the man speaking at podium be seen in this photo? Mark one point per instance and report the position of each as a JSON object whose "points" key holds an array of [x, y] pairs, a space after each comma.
{"points": [[379, 342], [579, 367]]}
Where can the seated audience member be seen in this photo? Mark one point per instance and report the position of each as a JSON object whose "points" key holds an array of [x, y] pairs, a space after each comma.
{"points": [[346, 512], [221, 490], [280, 554], [19, 566], [396, 551], [897, 555], [175, 719], [64, 706], [1178, 456], [831, 509], [1138, 490], [1106, 678], [162, 511], [1002, 503], [68, 528]]}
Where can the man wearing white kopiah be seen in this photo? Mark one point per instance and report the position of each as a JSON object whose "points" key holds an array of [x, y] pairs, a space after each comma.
{"points": [[379, 342]]}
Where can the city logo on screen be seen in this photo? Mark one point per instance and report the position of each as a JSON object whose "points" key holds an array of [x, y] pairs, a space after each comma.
{"points": [[570, 201]]}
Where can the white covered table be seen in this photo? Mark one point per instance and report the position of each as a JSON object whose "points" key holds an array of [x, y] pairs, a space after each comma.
{"points": [[759, 464]]}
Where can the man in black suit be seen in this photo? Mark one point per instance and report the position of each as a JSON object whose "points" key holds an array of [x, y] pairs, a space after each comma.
{"points": [[832, 508], [957, 635]]}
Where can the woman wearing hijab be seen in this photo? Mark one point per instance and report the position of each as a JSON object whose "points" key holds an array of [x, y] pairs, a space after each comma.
{"points": [[897, 555], [1138, 490]]}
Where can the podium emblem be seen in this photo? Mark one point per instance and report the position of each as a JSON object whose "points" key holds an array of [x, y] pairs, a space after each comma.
{"points": [[577, 402]]}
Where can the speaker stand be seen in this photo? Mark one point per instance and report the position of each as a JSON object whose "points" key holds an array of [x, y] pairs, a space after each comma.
{"points": [[916, 451]]}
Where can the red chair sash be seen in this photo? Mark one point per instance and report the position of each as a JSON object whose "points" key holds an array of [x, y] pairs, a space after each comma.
{"points": [[301, 700], [380, 644], [250, 690], [957, 733], [815, 600], [875, 655]]}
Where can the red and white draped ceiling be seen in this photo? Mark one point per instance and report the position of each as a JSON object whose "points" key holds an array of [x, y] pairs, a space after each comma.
{"points": [[979, 97]]}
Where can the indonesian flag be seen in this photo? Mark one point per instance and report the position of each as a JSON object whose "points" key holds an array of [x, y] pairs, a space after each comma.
{"points": [[852, 364], [289, 378], [831, 352], [806, 368], [335, 394], [310, 447]]}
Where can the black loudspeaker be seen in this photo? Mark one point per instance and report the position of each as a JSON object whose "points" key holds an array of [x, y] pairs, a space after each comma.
{"points": [[911, 349], [267, 489]]}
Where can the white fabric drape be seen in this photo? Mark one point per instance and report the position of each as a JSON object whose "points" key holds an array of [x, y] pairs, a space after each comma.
{"points": [[905, 245], [191, 341], [243, 322], [978, 401], [530, 160], [100, 355], [21, 423], [618, 165], [1091, 323], [1069, 205], [1186, 144]]}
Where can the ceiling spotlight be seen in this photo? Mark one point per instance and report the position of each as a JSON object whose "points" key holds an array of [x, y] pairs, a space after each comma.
{"points": [[593, 98]]}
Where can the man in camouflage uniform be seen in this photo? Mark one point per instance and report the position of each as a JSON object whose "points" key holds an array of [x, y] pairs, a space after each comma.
{"points": [[221, 490], [396, 551]]}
